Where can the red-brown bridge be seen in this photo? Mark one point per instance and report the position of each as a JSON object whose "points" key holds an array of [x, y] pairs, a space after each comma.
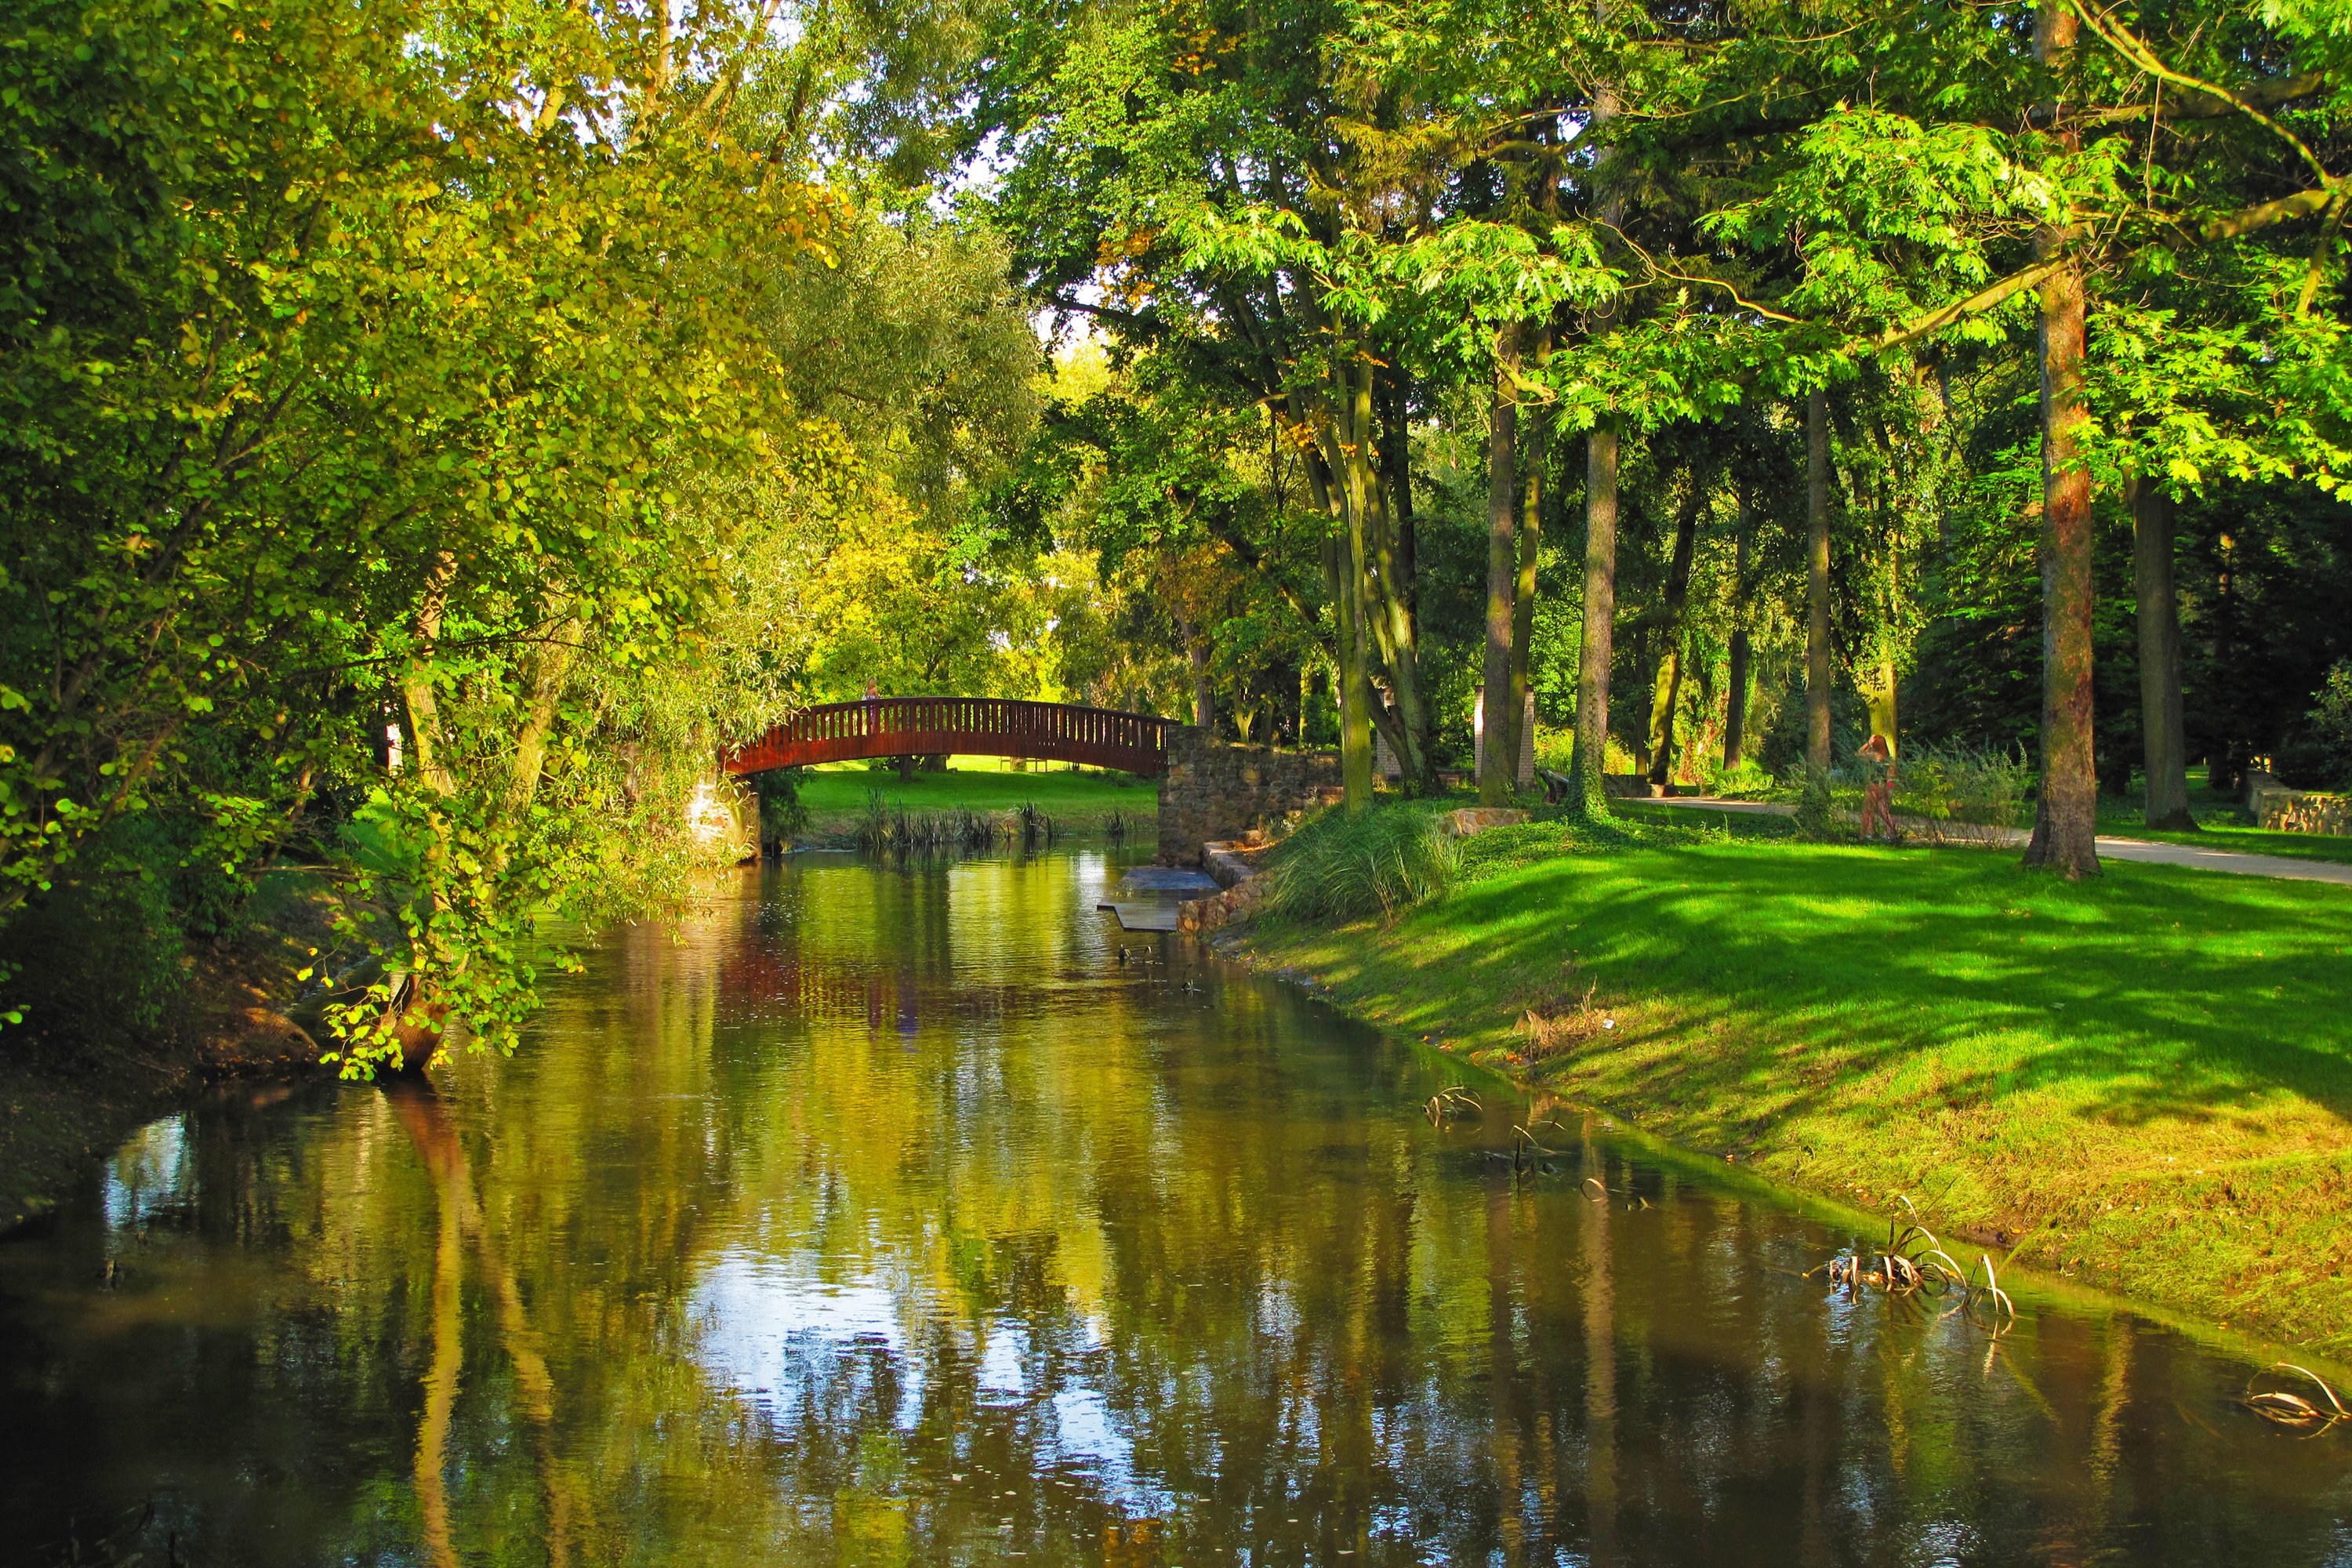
{"points": [[970, 726]]}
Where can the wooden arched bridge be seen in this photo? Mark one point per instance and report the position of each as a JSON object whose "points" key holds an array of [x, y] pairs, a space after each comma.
{"points": [[967, 726]]}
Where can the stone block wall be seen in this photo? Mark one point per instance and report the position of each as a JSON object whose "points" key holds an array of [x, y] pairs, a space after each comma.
{"points": [[2283, 810], [1214, 790]]}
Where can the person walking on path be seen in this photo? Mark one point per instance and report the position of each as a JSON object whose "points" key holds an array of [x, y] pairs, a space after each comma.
{"points": [[1879, 787]]}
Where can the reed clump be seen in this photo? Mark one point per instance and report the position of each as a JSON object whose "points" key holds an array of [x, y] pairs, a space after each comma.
{"points": [[2289, 1408], [1553, 1027], [887, 827], [1353, 864], [1034, 827], [1914, 1265]]}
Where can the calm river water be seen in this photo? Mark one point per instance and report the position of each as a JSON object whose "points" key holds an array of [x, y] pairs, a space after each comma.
{"points": [[884, 1216]]}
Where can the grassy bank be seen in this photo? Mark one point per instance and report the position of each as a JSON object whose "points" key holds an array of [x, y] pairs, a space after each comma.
{"points": [[2142, 1082], [1082, 804]]}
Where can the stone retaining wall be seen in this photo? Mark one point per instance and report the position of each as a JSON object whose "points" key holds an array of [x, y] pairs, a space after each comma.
{"points": [[1214, 791], [2282, 810]]}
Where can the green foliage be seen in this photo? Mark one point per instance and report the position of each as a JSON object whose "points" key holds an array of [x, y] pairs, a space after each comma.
{"points": [[782, 813], [1816, 805], [2332, 721], [1353, 864], [98, 959], [1958, 783]]}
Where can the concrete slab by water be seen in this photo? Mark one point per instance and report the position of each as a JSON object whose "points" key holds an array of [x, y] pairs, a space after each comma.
{"points": [[1181, 882]]}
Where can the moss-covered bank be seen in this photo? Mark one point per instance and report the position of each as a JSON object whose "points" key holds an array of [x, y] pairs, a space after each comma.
{"points": [[2141, 1083]]}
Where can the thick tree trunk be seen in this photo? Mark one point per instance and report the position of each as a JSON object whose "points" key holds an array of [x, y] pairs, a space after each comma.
{"points": [[1348, 484], [2164, 743], [1196, 655], [1397, 640], [1878, 698], [1735, 720], [2065, 820], [1534, 450], [1817, 583], [1355, 680], [1395, 390], [1498, 766], [1668, 690], [1588, 764]]}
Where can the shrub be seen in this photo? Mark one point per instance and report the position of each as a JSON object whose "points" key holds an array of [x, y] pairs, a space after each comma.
{"points": [[1750, 778], [1351, 865], [783, 816], [1816, 803], [2331, 724], [1958, 783]]}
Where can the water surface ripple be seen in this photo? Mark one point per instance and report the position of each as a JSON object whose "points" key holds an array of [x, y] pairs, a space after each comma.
{"points": [[884, 1215]]}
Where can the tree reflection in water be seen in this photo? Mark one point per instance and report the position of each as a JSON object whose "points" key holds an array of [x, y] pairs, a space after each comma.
{"points": [[881, 1216]]}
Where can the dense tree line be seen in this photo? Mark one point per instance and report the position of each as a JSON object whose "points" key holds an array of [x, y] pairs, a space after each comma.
{"points": [[1853, 342], [427, 433], [430, 432]]}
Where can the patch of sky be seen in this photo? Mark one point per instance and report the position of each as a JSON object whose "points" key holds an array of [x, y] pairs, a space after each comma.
{"points": [[148, 1173]]}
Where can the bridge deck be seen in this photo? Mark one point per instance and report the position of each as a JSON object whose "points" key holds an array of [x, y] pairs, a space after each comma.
{"points": [[970, 726]]}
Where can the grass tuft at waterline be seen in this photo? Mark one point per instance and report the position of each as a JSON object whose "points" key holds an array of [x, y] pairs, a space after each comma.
{"points": [[2142, 1082], [1349, 865]]}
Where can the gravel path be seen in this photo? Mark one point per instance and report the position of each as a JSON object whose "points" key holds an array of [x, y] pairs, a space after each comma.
{"points": [[2235, 862]]}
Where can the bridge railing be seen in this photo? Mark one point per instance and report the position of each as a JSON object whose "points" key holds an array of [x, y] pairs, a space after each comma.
{"points": [[996, 726]]}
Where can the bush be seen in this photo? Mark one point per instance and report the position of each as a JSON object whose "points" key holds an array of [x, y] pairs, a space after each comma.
{"points": [[1351, 865], [1816, 803], [783, 816], [2331, 724], [1959, 783], [98, 960], [1750, 778]]}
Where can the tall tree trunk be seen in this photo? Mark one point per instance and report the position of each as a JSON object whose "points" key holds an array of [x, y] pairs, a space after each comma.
{"points": [[1535, 447], [1196, 655], [2160, 707], [1395, 386], [2065, 819], [1396, 638], [1343, 560], [1817, 583], [1735, 720], [1877, 687], [1589, 763], [1354, 683], [1357, 496], [1668, 688], [1497, 768]]}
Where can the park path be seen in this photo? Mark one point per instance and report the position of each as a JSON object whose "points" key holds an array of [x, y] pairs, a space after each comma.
{"points": [[2234, 861]]}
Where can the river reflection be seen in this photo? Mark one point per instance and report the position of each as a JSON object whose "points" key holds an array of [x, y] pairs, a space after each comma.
{"points": [[884, 1216]]}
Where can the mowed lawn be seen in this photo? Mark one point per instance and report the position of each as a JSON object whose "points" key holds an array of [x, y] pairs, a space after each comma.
{"points": [[2144, 1081], [1082, 802]]}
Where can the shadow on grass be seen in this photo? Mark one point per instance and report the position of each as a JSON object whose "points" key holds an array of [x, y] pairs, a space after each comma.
{"points": [[2154, 993]]}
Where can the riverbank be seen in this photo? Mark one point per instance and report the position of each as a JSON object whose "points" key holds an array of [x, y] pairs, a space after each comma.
{"points": [[1087, 803], [2141, 1083], [63, 1109]]}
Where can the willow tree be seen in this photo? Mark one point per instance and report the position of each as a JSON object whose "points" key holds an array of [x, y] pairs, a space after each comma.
{"points": [[356, 386]]}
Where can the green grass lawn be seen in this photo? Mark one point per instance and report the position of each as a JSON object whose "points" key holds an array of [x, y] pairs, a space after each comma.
{"points": [[1081, 802], [2142, 1082]]}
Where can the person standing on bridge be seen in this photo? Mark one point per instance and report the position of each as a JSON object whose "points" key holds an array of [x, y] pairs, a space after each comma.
{"points": [[873, 696]]}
